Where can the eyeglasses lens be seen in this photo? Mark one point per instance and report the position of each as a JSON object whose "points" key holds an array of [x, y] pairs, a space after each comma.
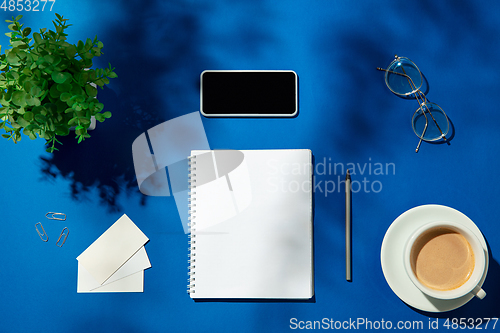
{"points": [[403, 77], [432, 132]]}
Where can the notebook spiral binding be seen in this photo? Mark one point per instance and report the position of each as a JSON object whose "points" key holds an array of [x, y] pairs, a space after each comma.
{"points": [[191, 225]]}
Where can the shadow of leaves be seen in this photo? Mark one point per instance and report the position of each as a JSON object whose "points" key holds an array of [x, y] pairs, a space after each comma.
{"points": [[149, 59]]}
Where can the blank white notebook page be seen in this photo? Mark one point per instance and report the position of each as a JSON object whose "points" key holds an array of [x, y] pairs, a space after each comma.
{"points": [[259, 243]]}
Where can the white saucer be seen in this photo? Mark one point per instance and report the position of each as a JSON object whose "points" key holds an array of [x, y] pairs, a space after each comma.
{"points": [[391, 255]]}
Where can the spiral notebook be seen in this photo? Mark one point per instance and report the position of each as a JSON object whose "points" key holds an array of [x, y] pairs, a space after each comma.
{"points": [[251, 227]]}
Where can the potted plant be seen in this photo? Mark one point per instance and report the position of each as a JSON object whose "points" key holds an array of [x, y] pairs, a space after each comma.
{"points": [[47, 85]]}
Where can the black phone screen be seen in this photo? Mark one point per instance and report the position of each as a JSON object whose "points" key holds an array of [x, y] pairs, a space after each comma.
{"points": [[248, 93]]}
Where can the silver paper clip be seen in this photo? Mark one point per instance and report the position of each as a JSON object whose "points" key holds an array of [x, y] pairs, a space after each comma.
{"points": [[43, 235], [56, 216], [62, 237]]}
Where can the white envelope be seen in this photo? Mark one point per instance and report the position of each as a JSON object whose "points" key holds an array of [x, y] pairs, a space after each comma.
{"points": [[131, 283], [112, 249], [137, 263]]}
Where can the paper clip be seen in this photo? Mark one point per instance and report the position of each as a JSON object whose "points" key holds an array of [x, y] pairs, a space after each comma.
{"points": [[56, 216], [43, 235], [63, 235]]}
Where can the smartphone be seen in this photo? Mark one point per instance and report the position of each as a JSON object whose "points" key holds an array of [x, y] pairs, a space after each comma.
{"points": [[248, 93]]}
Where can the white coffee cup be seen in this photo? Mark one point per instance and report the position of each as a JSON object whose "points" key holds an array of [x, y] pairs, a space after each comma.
{"points": [[471, 286]]}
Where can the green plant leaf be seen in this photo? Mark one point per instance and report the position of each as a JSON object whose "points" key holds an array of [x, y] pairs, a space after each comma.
{"points": [[12, 75], [96, 51], [40, 118], [90, 90], [28, 116], [36, 91], [33, 127], [26, 131], [88, 44], [73, 121], [45, 93], [12, 58], [26, 32], [22, 122], [50, 58], [78, 99], [62, 130], [38, 109], [64, 87], [76, 89], [26, 82], [80, 47], [19, 98], [65, 97], [38, 38], [85, 121], [32, 100], [107, 114], [98, 107], [81, 131], [52, 127], [7, 96], [54, 93], [86, 55], [61, 107], [91, 75], [51, 108], [43, 83], [53, 59], [70, 51], [99, 117], [40, 61], [61, 77], [21, 54]]}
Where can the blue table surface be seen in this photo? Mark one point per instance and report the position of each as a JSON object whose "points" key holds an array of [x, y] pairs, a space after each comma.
{"points": [[347, 115]]}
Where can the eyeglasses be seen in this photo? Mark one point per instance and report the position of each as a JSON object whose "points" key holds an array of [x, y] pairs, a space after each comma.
{"points": [[429, 122]]}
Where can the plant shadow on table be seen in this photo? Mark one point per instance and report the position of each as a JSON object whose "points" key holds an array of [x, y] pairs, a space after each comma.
{"points": [[104, 161], [140, 98], [488, 307]]}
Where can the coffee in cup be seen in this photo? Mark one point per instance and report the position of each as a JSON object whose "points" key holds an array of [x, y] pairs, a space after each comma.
{"points": [[445, 260]]}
